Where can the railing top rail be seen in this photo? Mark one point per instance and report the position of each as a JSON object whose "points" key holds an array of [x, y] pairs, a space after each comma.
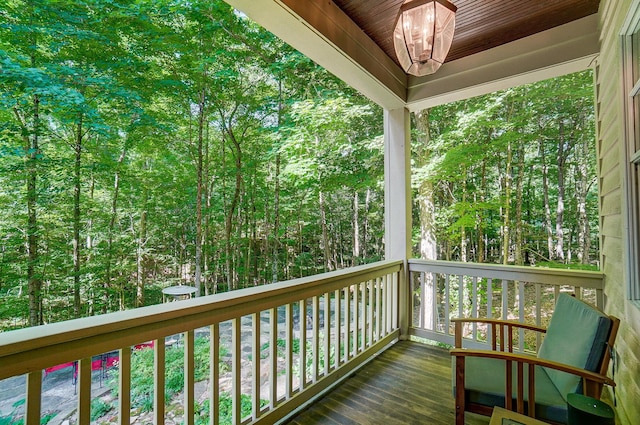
{"points": [[582, 278], [98, 334]]}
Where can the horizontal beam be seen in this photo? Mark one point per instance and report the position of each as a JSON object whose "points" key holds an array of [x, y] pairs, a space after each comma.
{"points": [[558, 51], [543, 275]]}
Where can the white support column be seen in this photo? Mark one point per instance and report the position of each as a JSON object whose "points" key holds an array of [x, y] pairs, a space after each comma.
{"points": [[397, 201]]}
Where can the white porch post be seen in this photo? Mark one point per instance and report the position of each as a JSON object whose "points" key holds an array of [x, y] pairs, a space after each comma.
{"points": [[397, 201]]}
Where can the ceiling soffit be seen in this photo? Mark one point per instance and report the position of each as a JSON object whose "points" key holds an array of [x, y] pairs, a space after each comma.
{"points": [[480, 24]]}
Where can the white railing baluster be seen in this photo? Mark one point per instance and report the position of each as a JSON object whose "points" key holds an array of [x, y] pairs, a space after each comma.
{"points": [[521, 306], [214, 374], [363, 318], [370, 316], [447, 304], [273, 358], [255, 361], [385, 305], [289, 350], [393, 304], [189, 378], [362, 323], [378, 333], [356, 321], [434, 301], [460, 295], [505, 299], [33, 400], [347, 324], [474, 306], [316, 339], [422, 311], [338, 328], [124, 385], [489, 300], [236, 372], [489, 307], [158, 388], [327, 333], [303, 343]]}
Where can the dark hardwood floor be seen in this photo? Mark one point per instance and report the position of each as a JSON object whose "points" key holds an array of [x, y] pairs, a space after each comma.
{"points": [[410, 383]]}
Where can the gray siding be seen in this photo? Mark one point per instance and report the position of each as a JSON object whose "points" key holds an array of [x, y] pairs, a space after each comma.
{"points": [[611, 170]]}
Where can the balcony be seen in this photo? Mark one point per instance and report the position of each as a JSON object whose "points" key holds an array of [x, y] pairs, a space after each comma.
{"points": [[287, 344]]}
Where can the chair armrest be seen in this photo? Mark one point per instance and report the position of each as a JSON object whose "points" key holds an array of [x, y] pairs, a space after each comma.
{"points": [[535, 361], [498, 324]]}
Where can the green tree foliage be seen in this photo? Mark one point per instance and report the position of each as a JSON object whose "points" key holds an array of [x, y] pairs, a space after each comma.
{"points": [[150, 143], [514, 174]]}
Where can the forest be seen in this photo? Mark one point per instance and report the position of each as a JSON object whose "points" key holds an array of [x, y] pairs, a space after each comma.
{"points": [[150, 143]]}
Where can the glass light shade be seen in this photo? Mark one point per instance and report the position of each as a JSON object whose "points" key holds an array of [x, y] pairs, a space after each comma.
{"points": [[423, 34]]}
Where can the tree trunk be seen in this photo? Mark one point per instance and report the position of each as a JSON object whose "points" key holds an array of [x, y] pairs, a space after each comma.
{"points": [[30, 134], [463, 230], [582, 187], [276, 220], [356, 230], [92, 296], [199, 191], [207, 228], [32, 152], [276, 208], [231, 281], [76, 216], [112, 225], [547, 205], [519, 232], [300, 239], [506, 232], [365, 224], [141, 257], [560, 160], [428, 243], [481, 213], [325, 236]]}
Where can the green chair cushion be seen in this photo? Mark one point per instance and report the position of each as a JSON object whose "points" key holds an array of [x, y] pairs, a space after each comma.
{"points": [[485, 384], [577, 335]]}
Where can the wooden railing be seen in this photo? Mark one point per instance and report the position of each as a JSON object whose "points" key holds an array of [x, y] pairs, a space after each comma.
{"points": [[442, 290], [286, 343]]}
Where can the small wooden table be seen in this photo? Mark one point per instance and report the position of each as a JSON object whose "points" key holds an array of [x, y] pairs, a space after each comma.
{"points": [[502, 416]]}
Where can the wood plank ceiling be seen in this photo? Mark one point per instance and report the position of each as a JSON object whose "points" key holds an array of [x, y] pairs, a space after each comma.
{"points": [[480, 24]]}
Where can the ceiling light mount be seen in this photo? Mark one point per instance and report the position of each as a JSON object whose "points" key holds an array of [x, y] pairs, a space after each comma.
{"points": [[423, 34]]}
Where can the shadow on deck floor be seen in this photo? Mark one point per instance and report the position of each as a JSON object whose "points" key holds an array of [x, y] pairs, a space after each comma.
{"points": [[409, 383]]}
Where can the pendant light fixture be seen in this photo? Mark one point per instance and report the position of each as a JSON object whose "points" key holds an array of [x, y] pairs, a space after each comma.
{"points": [[423, 34]]}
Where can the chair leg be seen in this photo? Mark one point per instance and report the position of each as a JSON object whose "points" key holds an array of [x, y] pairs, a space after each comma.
{"points": [[460, 401]]}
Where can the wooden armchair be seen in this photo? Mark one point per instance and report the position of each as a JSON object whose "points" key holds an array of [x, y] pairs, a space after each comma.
{"points": [[574, 357]]}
